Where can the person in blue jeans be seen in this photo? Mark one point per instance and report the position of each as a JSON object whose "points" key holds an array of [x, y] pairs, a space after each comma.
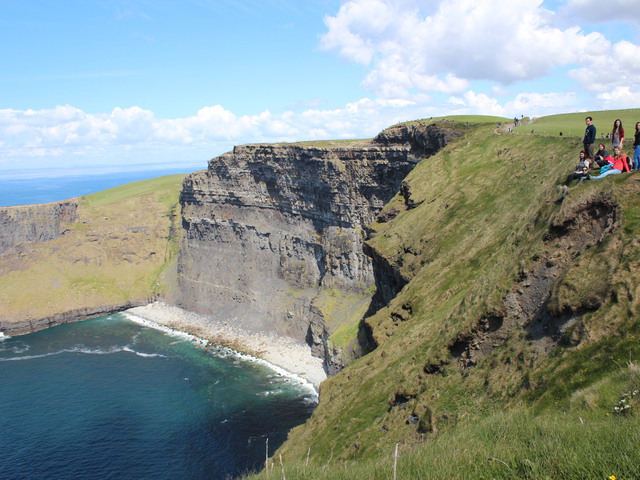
{"points": [[636, 148], [619, 165]]}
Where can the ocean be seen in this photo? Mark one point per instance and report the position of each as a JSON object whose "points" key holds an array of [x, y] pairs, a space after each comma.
{"points": [[113, 398], [27, 187]]}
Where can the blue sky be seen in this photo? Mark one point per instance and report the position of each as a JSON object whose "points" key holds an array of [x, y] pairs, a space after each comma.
{"points": [[94, 83]]}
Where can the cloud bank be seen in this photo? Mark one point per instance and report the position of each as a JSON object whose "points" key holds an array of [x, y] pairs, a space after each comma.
{"points": [[67, 135], [415, 48]]}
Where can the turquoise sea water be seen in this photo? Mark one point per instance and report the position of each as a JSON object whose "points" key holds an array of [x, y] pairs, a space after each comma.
{"points": [[110, 398]]}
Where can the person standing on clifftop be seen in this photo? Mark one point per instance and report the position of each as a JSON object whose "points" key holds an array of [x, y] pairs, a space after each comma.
{"points": [[589, 138], [636, 148], [617, 135]]}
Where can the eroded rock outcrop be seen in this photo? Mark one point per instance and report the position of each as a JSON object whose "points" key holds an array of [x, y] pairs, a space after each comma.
{"points": [[34, 223]]}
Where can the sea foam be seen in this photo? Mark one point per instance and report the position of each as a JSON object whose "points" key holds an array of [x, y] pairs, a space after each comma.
{"points": [[82, 350], [226, 352]]}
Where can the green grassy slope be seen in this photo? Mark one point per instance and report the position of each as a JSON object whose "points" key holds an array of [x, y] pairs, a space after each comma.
{"points": [[490, 228], [118, 251], [572, 124], [469, 119]]}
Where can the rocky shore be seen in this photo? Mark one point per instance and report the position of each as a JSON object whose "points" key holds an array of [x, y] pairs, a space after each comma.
{"points": [[280, 351]]}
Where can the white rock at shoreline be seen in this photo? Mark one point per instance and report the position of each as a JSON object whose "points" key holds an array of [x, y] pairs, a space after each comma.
{"points": [[280, 351]]}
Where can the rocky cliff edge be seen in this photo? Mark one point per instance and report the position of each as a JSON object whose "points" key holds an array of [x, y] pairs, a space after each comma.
{"points": [[273, 234]]}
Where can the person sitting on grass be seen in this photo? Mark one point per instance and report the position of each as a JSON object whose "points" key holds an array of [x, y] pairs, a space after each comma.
{"points": [[619, 165], [603, 156], [582, 170]]}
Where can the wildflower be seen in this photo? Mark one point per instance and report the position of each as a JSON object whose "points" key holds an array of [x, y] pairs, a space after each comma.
{"points": [[612, 477]]}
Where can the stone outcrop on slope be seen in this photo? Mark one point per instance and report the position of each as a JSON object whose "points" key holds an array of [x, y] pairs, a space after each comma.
{"points": [[268, 228], [35, 223]]}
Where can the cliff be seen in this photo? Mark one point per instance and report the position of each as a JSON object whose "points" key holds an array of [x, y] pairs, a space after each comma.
{"points": [[35, 223], [498, 292], [274, 234], [498, 312], [86, 257]]}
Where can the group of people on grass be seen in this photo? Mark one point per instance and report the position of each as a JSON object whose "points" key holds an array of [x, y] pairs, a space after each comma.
{"points": [[608, 164]]}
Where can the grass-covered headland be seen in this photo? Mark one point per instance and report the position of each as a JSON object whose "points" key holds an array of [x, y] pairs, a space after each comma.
{"points": [[512, 351], [117, 253]]}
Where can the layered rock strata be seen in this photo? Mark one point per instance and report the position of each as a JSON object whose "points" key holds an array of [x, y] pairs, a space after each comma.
{"points": [[268, 228], [272, 242], [35, 223]]}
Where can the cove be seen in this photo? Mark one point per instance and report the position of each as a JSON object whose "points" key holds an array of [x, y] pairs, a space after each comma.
{"points": [[112, 398]]}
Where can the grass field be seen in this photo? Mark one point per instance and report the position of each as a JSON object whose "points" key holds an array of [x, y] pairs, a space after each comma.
{"points": [[572, 124], [507, 445]]}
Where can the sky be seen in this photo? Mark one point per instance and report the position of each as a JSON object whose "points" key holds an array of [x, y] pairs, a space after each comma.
{"points": [[148, 83]]}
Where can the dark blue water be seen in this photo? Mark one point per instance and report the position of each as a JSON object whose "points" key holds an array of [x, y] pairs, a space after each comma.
{"points": [[30, 187], [112, 399]]}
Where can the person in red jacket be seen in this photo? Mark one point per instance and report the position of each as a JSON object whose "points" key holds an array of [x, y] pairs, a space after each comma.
{"points": [[620, 165]]}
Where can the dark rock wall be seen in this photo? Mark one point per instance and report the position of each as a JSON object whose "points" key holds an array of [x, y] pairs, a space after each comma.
{"points": [[61, 318], [422, 140], [34, 223], [268, 226]]}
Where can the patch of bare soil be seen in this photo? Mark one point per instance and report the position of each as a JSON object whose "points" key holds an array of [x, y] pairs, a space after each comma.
{"points": [[526, 305]]}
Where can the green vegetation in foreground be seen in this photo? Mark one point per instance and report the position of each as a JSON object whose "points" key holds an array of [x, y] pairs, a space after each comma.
{"points": [[572, 124], [507, 445], [541, 406], [121, 249]]}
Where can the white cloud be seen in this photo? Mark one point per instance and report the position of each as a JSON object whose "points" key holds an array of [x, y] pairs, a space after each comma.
{"points": [[472, 102], [609, 75], [69, 136], [422, 48], [620, 97], [534, 104], [352, 30]]}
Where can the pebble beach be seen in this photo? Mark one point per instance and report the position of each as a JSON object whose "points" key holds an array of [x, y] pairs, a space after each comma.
{"points": [[282, 352]]}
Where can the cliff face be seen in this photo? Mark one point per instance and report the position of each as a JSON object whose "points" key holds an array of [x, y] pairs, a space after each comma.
{"points": [[267, 228], [273, 231], [35, 223], [273, 240]]}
